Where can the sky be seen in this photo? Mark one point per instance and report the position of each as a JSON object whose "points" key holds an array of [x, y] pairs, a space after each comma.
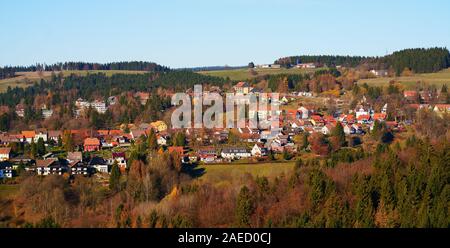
{"points": [[182, 33]]}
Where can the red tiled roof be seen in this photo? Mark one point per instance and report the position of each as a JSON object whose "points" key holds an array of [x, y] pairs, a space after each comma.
{"points": [[410, 93], [91, 142], [5, 150], [103, 132], [379, 116], [116, 132], [28, 134], [363, 117]]}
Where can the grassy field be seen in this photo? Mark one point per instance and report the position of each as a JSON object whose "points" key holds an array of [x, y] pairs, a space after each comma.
{"points": [[244, 74], [7, 191], [438, 79], [25, 79], [225, 174]]}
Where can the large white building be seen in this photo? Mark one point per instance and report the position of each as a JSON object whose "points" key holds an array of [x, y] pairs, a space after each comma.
{"points": [[99, 106]]}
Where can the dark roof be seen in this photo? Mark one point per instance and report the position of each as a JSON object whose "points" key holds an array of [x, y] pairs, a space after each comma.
{"points": [[97, 161], [45, 162], [118, 155]]}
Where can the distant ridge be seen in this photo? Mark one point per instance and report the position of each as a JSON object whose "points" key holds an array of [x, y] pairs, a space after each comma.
{"points": [[419, 60]]}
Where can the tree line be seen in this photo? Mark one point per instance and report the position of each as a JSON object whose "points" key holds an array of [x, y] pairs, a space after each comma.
{"points": [[79, 66], [419, 60], [325, 60]]}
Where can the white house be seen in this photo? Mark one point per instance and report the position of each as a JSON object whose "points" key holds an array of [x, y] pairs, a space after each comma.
{"points": [[304, 111], [162, 141], [78, 168], [306, 66], [100, 106], [258, 151], [47, 113], [99, 164], [361, 111], [379, 73], [326, 129], [120, 158], [235, 153], [49, 166]]}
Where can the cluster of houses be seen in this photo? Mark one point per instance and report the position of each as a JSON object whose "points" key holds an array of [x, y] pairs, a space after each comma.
{"points": [[86, 140], [210, 143], [50, 164]]}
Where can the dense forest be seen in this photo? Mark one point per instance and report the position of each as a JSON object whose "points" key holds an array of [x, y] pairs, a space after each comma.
{"points": [[419, 60], [325, 60], [71, 66], [132, 66]]}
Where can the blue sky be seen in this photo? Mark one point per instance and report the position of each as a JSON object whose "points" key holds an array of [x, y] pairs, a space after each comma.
{"points": [[192, 33]]}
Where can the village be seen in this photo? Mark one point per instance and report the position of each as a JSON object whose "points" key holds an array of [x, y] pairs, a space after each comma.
{"points": [[96, 151]]}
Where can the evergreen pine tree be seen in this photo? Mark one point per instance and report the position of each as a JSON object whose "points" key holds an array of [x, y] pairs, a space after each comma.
{"points": [[244, 207]]}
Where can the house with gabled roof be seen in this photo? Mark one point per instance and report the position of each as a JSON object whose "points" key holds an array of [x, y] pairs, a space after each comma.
{"points": [[259, 150], [120, 158], [99, 164], [207, 154], [379, 117], [91, 144], [28, 136], [235, 153], [55, 135], [51, 166], [5, 153], [242, 88], [79, 168], [74, 156]]}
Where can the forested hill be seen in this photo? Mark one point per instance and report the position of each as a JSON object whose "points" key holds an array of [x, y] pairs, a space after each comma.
{"points": [[8, 72], [419, 60], [99, 84], [131, 66], [329, 60]]}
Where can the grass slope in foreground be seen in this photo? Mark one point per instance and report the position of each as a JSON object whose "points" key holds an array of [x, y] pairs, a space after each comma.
{"points": [[225, 174]]}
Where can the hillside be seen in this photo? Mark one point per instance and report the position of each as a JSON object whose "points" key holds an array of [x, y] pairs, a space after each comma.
{"points": [[244, 74], [437, 79], [25, 79]]}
